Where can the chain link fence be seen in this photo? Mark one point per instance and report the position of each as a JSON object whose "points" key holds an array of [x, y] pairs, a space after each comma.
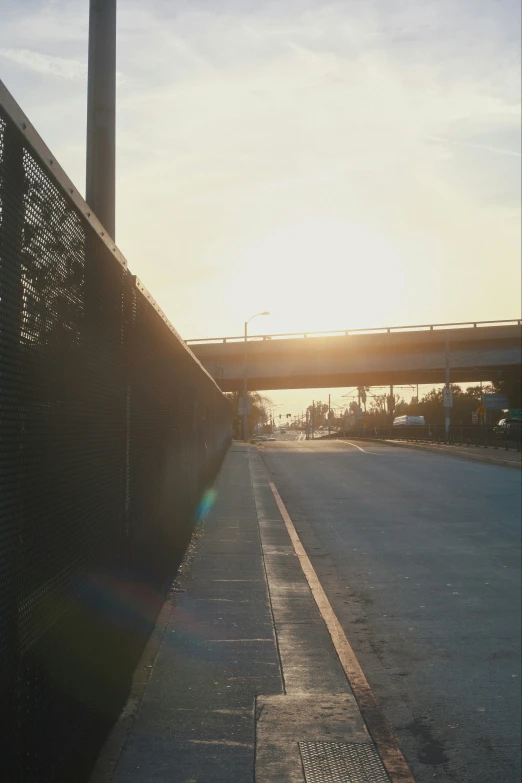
{"points": [[110, 433]]}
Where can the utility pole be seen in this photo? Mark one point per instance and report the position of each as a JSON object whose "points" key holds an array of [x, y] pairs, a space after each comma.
{"points": [[447, 407], [101, 114], [313, 418], [329, 416], [245, 387]]}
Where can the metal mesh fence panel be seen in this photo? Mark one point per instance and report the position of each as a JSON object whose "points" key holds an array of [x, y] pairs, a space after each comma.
{"points": [[110, 431]]}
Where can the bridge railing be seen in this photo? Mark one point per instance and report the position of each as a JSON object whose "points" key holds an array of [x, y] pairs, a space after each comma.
{"points": [[110, 431], [353, 332]]}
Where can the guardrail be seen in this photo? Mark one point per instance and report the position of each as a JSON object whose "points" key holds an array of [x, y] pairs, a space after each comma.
{"points": [[488, 436], [111, 430], [353, 332]]}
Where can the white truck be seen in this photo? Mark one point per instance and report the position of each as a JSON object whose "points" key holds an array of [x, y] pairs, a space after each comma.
{"points": [[409, 421]]}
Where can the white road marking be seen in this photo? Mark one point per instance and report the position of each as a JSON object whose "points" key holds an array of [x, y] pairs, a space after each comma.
{"points": [[357, 447], [383, 737], [373, 453]]}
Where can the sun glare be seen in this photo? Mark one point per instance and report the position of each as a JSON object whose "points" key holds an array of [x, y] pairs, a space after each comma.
{"points": [[320, 273]]}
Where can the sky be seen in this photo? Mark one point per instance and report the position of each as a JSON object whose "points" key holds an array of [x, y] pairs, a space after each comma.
{"points": [[343, 164]]}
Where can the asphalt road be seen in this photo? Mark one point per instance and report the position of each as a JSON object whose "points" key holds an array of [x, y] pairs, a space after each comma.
{"points": [[419, 555]]}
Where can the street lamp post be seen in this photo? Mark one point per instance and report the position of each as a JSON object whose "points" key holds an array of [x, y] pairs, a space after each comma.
{"points": [[101, 112], [245, 383]]}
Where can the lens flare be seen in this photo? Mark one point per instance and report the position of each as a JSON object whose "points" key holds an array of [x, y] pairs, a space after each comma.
{"points": [[206, 504]]}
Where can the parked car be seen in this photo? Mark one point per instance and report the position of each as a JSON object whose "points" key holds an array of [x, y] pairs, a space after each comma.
{"points": [[508, 427], [271, 437]]}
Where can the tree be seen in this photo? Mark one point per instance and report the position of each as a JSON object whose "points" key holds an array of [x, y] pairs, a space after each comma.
{"points": [[511, 386], [464, 403], [260, 403], [379, 403], [318, 413]]}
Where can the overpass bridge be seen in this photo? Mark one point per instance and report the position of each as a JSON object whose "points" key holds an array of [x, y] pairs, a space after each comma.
{"points": [[476, 351]]}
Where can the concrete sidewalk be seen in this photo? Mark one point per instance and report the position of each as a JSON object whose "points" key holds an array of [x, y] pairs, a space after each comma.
{"points": [[240, 681], [493, 455]]}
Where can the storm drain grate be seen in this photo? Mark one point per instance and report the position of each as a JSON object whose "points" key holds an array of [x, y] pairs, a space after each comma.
{"points": [[341, 762]]}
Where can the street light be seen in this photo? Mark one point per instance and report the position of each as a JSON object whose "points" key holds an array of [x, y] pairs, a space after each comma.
{"points": [[245, 409], [101, 113]]}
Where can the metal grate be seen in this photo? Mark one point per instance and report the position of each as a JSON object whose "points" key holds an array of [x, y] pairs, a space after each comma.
{"points": [[110, 431], [341, 762]]}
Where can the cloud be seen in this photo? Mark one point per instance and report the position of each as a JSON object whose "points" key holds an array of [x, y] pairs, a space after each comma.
{"points": [[51, 65], [471, 145], [241, 120]]}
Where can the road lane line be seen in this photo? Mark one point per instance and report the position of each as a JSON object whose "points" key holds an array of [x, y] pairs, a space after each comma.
{"points": [[349, 442], [380, 732], [357, 447]]}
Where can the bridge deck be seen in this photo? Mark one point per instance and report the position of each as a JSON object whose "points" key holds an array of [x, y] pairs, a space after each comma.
{"points": [[374, 358]]}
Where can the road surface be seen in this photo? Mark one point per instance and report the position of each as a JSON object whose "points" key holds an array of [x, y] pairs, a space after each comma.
{"points": [[419, 555]]}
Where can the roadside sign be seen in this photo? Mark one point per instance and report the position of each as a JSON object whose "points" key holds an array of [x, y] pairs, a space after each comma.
{"points": [[447, 397], [474, 417], [241, 406], [495, 402], [515, 413], [481, 410]]}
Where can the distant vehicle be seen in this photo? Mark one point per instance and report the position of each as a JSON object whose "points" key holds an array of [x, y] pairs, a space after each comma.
{"points": [[409, 421], [509, 427], [283, 430], [271, 437]]}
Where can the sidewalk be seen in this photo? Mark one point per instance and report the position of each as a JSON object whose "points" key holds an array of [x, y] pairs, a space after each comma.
{"points": [[493, 455], [240, 680]]}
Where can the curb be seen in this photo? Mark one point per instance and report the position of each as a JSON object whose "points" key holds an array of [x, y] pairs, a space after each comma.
{"points": [[446, 450]]}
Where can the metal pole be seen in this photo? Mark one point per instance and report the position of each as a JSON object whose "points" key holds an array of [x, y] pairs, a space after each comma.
{"points": [[313, 418], [101, 113], [245, 417], [329, 417], [447, 410]]}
